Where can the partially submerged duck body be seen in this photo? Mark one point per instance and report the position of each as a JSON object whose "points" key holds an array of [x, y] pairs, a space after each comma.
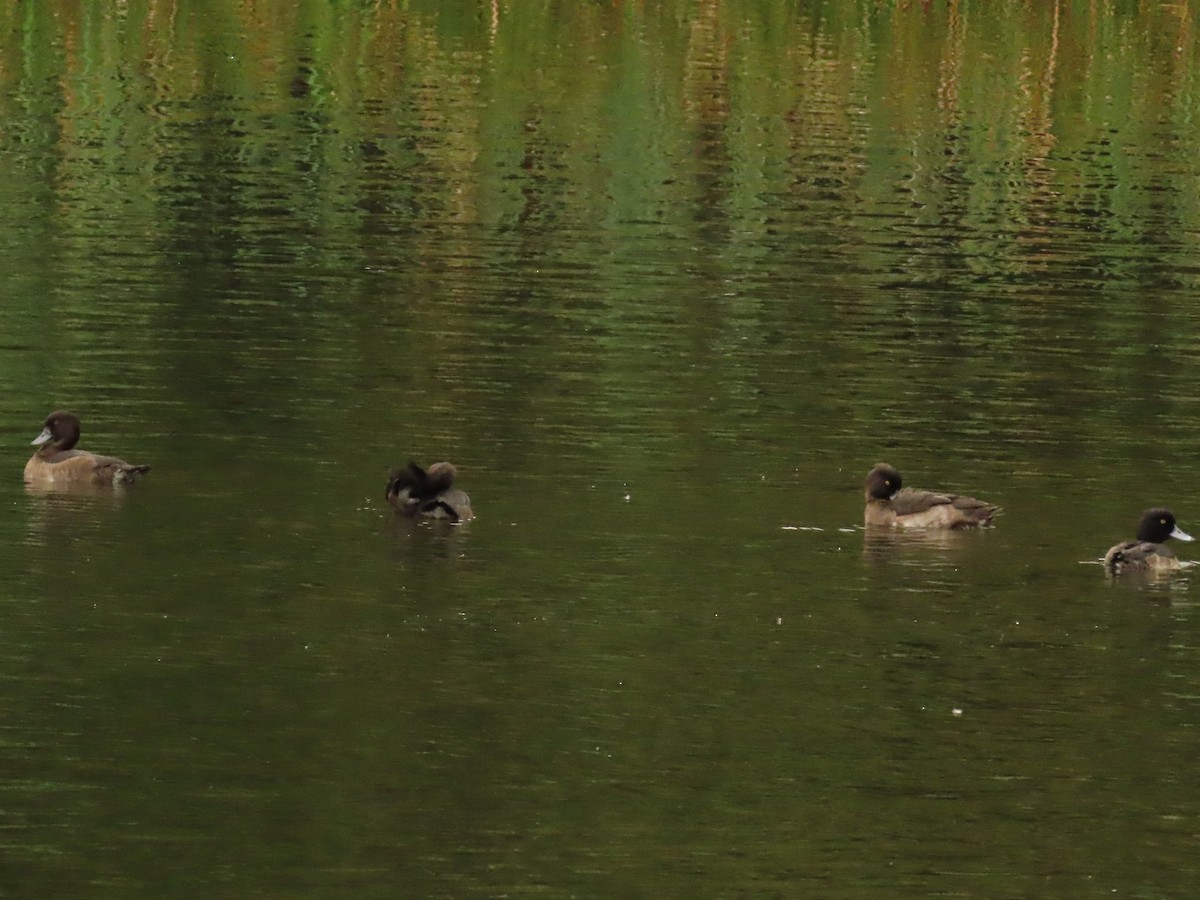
{"points": [[56, 462], [428, 493], [890, 504], [1146, 553]]}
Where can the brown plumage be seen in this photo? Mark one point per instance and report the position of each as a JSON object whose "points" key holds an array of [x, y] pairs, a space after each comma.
{"points": [[889, 503], [56, 462], [428, 493], [1147, 553]]}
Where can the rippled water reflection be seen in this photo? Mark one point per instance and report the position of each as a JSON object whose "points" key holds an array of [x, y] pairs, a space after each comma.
{"points": [[664, 285]]}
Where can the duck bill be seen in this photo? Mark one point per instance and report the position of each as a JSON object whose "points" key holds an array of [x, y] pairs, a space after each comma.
{"points": [[45, 436], [1180, 535]]}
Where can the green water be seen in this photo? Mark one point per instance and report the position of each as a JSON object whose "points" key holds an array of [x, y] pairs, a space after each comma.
{"points": [[664, 281]]}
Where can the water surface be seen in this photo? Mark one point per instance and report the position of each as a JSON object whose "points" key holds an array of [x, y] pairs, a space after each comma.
{"points": [[664, 284]]}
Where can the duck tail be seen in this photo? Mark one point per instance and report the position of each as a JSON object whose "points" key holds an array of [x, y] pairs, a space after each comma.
{"points": [[1114, 562]]}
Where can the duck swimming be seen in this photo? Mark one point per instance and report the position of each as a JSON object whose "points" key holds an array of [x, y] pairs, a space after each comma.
{"points": [[889, 503], [1146, 553], [428, 493], [56, 462]]}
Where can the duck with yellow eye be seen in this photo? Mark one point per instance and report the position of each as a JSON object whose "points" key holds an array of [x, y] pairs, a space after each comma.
{"points": [[1146, 552]]}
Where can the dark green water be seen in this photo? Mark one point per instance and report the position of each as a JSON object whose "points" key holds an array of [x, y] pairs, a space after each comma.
{"points": [[664, 282]]}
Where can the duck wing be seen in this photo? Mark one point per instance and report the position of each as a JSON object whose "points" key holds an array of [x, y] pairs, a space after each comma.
{"points": [[452, 504], [910, 502], [973, 506], [116, 471], [968, 510], [1136, 555]]}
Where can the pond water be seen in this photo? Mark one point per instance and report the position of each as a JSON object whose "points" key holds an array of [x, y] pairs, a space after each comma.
{"points": [[664, 282]]}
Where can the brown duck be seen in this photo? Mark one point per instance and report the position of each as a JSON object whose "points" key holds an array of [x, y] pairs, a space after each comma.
{"points": [[428, 493], [889, 503], [57, 462]]}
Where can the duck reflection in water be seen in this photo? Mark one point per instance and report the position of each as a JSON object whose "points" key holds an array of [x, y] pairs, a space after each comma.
{"points": [[891, 505], [57, 465], [428, 493], [1146, 553], [889, 546]]}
